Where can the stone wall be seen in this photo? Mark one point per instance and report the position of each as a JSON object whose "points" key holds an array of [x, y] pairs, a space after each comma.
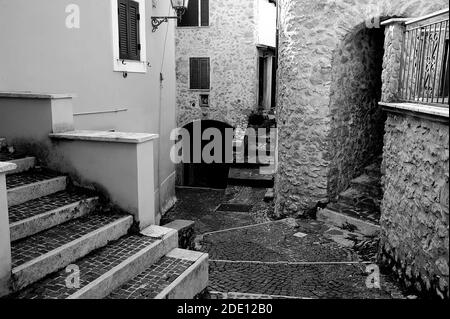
{"points": [[415, 208], [357, 121], [391, 61], [230, 42], [310, 34]]}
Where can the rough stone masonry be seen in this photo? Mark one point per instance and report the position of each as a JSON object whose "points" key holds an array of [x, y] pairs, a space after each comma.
{"points": [[415, 208], [230, 43], [314, 114]]}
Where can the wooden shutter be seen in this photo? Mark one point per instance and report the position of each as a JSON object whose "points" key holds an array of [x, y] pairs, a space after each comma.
{"points": [[123, 28], [205, 13], [199, 74], [194, 73], [133, 36], [190, 18], [129, 41], [204, 73]]}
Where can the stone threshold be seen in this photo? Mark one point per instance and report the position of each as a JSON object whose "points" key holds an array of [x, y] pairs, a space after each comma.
{"points": [[6, 167], [34, 95], [106, 136], [427, 111]]}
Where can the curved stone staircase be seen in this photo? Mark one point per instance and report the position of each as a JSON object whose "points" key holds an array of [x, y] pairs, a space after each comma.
{"points": [[358, 208], [67, 242]]}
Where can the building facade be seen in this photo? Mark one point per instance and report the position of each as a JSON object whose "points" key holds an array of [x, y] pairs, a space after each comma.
{"points": [[339, 73], [75, 47], [224, 60]]}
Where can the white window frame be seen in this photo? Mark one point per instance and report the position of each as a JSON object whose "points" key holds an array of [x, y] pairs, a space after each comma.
{"points": [[120, 65]]}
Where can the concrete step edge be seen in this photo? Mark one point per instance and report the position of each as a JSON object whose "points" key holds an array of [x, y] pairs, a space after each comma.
{"points": [[63, 256], [23, 164], [338, 219], [128, 269], [192, 281], [22, 194], [33, 225]]}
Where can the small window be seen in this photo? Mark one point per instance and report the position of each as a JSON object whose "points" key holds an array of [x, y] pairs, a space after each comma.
{"points": [[204, 100], [199, 74], [196, 15], [129, 40]]}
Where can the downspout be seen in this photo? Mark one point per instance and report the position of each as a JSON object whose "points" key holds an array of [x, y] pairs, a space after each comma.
{"points": [[161, 80]]}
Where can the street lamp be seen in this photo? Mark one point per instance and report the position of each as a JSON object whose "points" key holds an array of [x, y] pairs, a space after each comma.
{"points": [[180, 7]]}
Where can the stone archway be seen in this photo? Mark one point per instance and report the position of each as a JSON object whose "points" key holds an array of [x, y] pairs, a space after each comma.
{"points": [[310, 34], [200, 173], [356, 120]]}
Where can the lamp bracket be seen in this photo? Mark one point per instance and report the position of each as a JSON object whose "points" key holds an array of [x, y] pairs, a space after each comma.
{"points": [[157, 21]]}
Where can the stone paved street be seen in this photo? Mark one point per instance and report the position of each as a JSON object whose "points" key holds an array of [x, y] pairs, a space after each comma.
{"points": [[253, 257]]}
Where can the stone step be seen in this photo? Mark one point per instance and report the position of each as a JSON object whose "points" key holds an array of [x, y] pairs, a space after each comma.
{"points": [[105, 269], [348, 222], [181, 274], [36, 256], [33, 184], [23, 162], [371, 215], [368, 184], [23, 165], [250, 177], [241, 161], [46, 212], [362, 199]]}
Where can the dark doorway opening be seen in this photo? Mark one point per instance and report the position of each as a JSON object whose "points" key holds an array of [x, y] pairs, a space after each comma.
{"points": [[267, 66], [208, 175]]}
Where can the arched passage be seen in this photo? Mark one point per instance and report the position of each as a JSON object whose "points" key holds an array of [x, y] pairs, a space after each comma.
{"points": [[199, 172], [356, 120], [310, 32]]}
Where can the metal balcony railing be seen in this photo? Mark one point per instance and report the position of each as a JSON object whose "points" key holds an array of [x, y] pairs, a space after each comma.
{"points": [[424, 69]]}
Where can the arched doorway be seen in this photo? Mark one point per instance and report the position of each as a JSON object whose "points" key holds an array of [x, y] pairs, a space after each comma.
{"points": [[357, 121], [200, 173]]}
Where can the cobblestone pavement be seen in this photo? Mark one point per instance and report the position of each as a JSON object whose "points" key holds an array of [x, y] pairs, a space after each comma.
{"points": [[335, 281], [200, 206], [251, 257], [275, 242]]}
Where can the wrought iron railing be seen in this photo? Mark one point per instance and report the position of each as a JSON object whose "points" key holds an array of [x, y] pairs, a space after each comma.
{"points": [[424, 69]]}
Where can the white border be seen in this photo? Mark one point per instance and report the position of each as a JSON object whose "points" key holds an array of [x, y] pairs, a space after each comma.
{"points": [[129, 66]]}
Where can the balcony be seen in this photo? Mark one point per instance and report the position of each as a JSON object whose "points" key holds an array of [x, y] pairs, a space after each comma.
{"points": [[425, 60]]}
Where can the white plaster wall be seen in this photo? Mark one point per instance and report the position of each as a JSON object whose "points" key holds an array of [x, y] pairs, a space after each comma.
{"points": [[40, 54]]}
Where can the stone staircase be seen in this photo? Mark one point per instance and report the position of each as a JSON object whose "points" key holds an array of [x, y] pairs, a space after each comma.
{"points": [[58, 230], [251, 170], [358, 208]]}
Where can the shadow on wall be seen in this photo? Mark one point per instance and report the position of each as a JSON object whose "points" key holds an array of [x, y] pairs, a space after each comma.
{"points": [[357, 121]]}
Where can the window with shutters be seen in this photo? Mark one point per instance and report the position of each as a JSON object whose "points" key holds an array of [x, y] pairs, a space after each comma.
{"points": [[129, 45], [199, 71], [197, 14], [128, 18]]}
